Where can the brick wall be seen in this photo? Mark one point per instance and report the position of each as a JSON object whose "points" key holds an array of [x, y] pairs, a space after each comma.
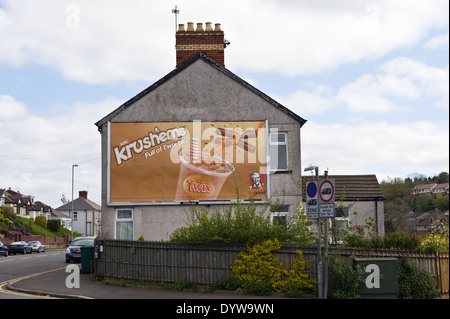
{"points": [[207, 41]]}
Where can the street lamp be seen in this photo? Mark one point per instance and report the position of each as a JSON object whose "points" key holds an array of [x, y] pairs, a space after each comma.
{"points": [[71, 210], [319, 248]]}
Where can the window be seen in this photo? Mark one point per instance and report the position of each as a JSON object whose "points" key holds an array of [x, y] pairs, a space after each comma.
{"points": [[124, 224], [278, 151], [75, 215], [280, 215]]}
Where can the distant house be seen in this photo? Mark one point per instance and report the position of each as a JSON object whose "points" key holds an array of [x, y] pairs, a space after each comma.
{"points": [[2, 197], [361, 194], [420, 223], [431, 189], [39, 209], [65, 219], [19, 202], [85, 216]]}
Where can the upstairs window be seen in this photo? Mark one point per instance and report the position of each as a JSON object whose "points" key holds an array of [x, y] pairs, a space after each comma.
{"points": [[278, 151]]}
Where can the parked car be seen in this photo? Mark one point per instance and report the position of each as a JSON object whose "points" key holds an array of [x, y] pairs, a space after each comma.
{"points": [[3, 249], [19, 247], [73, 252], [36, 246]]}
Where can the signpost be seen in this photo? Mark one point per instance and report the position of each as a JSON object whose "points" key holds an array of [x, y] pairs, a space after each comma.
{"points": [[320, 204], [320, 199]]}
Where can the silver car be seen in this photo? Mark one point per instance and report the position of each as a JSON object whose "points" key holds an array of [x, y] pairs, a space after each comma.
{"points": [[36, 246]]}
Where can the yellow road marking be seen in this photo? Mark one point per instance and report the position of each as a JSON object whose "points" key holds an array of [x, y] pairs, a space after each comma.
{"points": [[11, 281]]}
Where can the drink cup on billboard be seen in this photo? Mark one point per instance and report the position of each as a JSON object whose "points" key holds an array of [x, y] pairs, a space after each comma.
{"points": [[202, 180]]}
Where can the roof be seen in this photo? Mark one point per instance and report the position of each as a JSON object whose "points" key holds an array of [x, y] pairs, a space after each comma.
{"points": [[214, 64], [58, 214], [352, 187], [80, 204]]}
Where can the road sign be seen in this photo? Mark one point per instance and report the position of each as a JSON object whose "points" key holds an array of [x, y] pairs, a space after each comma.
{"points": [[326, 210], [326, 191], [312, 210]]}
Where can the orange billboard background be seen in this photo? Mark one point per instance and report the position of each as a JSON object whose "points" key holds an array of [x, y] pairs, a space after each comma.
{"points": [[187, 161]]}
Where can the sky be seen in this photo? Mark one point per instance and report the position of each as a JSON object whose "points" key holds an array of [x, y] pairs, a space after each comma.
{"points": [[370, 77]]}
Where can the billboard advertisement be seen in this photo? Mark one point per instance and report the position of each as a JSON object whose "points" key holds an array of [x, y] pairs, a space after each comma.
{"points": [[172, 162]]}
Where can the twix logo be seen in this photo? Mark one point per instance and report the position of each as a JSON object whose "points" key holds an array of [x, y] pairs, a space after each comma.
{"points": [[196, 187]]}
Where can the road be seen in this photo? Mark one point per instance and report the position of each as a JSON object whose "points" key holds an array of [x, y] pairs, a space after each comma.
{"points": [[18, 266]]}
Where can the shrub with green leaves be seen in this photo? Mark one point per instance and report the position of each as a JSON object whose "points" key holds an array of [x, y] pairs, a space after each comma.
{"points": [[241, 224], [344, 279], [415, 283]]}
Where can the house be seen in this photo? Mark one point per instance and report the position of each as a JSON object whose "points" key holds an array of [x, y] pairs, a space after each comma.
{"points": [[39, 209], [65, 219], [84, 213], [2, 197], [421, 222], [20, 203], [362, 195], [431, 189], [201, 135]]}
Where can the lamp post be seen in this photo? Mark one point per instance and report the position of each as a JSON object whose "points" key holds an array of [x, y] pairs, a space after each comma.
{"points": [[71, 210], [319, 248]]}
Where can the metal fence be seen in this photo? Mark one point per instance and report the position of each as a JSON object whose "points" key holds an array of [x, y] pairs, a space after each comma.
{"points": [[145, 261]]}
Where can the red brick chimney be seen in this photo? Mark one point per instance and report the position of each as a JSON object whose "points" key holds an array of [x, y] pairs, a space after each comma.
{"points": [[207, 41], [83, 194]]}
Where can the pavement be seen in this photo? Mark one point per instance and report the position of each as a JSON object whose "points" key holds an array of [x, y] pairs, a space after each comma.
{"points": [[53, 284]]}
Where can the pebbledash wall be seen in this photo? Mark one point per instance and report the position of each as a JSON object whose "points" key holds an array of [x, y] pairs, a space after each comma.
{"points": [[200, 88]]}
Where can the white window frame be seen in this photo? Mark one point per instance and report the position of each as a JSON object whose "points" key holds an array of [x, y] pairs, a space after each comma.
{"points": [[123, 220], [277, 143], [283, 211]]}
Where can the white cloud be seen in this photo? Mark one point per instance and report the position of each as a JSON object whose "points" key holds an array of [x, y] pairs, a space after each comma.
{"points": [[439, 41], [37, 152], [110, 40], [367, 147], [398, 82]]}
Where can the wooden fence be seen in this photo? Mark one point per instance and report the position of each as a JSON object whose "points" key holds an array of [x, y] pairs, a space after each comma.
{"points": [[170, 262]]}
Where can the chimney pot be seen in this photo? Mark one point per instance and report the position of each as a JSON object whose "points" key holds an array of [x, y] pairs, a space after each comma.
{"points": [[181, 27], [190, 43]]}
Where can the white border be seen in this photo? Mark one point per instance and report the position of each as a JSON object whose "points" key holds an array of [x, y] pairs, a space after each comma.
{"points": [[184, 203]]}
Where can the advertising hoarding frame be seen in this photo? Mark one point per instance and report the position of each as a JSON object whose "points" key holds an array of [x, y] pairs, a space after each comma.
{"points": [[190, 202]]}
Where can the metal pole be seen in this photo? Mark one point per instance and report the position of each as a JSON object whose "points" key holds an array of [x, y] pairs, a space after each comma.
{"points": [[71, 210], [319, 247]]}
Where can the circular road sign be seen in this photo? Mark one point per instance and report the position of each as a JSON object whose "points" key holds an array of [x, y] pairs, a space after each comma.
{"points": [[311, 189], [326, 191]]}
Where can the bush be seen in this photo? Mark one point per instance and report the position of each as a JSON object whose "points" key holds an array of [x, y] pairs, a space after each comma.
{"points": [[259, 271], [259, 265], [344, 279], [242, 224], [54, 225], [415, 283], [41, 221]]}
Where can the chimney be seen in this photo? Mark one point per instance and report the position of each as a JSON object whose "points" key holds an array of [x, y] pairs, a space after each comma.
{"points": [[206, 40], [83, 194]]}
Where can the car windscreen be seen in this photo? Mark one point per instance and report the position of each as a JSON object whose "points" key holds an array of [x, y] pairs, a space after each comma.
{"points": [[83, 242]]}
